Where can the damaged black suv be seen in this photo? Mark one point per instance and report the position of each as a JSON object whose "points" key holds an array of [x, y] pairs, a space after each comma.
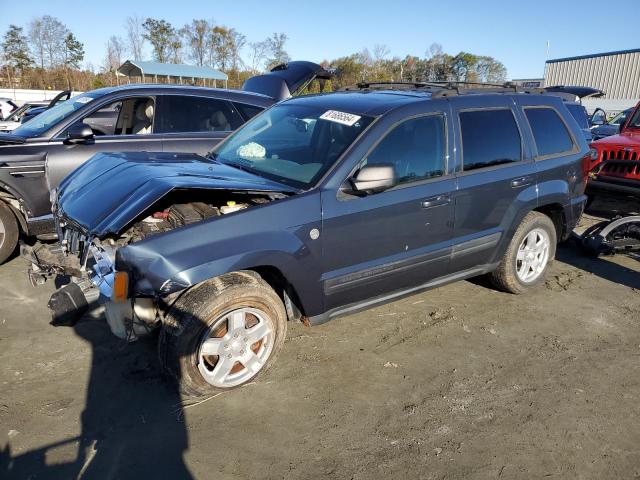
{"points": [[320, 206]]}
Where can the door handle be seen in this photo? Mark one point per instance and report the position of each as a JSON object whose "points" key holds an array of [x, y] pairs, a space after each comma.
{"points": [[436, 201], [521, 182]]}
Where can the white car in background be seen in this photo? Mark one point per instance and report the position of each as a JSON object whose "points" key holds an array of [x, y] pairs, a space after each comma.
{"points": [[6, 107], [14, 119]]}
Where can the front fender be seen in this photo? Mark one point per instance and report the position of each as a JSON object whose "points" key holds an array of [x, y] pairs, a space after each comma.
{"points": [[276, 235]]}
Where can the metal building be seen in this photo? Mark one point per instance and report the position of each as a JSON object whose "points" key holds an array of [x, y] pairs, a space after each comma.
{"points": [[170, 72], [615, 73]]}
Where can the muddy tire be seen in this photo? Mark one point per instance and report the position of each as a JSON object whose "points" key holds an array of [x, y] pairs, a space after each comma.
{"points": [[527, 259], [8, 232], [222, 334]]}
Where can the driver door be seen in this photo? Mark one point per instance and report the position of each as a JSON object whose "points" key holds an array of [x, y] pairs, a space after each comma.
{"points": [[126, 124], [400, 238]]}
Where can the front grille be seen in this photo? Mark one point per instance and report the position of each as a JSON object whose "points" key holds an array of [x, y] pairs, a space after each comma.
{"points": [[620, 154], [72, 239], [628, 169]]}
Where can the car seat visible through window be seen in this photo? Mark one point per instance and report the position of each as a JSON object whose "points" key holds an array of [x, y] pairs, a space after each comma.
{"points": [[143, 118]]}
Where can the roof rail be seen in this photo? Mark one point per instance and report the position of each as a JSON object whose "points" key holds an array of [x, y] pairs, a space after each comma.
{"points": [[449, 88], [391, 84]]}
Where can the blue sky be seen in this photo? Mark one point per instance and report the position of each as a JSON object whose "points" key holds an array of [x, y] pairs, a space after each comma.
{"points": [[515, 33]]}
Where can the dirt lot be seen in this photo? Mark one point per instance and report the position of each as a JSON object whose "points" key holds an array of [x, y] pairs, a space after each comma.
{"points": [[458, 382]]}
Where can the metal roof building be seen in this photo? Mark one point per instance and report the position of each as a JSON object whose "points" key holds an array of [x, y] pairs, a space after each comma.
{"points": [[170, 72], [615, 73]]}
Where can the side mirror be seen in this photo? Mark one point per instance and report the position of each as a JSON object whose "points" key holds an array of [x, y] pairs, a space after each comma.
{"points": [[597, 122], [621, 127], [79, 133], [374, 178]]}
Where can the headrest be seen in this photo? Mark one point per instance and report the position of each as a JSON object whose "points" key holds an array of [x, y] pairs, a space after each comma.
{"points": [[144, 110]]}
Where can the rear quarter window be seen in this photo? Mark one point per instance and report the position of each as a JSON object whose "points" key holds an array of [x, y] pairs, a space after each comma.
{"points": [[580, 114], [489, 138], [549, 131], [248, 111]]}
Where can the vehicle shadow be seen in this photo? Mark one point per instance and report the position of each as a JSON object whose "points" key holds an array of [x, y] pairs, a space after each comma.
{"points": [[572, 254], [132, 425]]}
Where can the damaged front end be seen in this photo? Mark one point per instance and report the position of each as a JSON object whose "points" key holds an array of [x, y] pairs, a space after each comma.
{"points": [[95, 238]]}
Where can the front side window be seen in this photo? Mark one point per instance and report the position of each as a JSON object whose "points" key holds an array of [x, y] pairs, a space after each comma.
{"points": [[191, 114], [128, 116], [416, 148], [291, 143], [549, 131], [489, 138], [49, 118]]}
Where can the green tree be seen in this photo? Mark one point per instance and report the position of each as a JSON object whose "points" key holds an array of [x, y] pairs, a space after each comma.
{"points": [[163, 38], [73, 54], [15, 48]]}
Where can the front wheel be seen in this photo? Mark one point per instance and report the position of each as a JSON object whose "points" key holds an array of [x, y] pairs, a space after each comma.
{"points": [[530, 252], [8, 232], [222, 333]]}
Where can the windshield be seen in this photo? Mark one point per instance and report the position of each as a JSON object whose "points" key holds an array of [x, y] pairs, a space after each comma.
{"points": [[635, 120], [17, 114], [47, 119], [292, 144], [618, 119]]}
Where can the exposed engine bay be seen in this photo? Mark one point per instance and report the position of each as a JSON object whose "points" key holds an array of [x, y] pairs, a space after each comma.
{"points": [[185, 208]]}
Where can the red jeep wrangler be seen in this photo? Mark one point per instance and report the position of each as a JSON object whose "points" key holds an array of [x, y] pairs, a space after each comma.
{"points": [[615, 161]]}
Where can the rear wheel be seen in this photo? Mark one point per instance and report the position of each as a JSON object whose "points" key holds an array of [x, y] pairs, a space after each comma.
{"points": [[8, 232], [527, 259], [223, 333]]}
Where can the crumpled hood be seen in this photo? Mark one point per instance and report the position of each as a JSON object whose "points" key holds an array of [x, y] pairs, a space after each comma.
{"points": [[111, 189]]}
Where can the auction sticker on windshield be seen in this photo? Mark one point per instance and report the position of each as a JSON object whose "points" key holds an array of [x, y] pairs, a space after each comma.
{"points": [[340, 117]]}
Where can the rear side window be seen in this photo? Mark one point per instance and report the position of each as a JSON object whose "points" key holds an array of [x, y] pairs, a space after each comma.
{"points": [[579, 113], [185, 114], [489, 137], [416, 148], [549, 131]]}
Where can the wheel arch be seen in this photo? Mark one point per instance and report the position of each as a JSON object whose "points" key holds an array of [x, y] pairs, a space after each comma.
{"points": [[6, 197], [556, 213], [283, 287]]}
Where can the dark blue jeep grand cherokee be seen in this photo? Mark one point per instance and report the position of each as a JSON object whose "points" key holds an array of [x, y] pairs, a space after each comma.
{"points": [[320, 206]]}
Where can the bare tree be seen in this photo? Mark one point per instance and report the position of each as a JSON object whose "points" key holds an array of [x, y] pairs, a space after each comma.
{"points": [[47, 36], [237, 41], [257, 55], [114, 56], [135, 37], [36, 38], [277, 53], [196, 36]]}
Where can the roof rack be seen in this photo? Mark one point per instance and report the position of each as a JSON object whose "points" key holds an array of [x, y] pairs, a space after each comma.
{"points": [[448, 88]]}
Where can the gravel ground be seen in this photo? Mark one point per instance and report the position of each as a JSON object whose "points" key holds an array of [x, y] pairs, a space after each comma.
{"points": [[457, 382]]}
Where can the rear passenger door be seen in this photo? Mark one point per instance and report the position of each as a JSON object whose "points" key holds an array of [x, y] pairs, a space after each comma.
{"points": [[557, 151], [194, 124], [496, 179]]}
